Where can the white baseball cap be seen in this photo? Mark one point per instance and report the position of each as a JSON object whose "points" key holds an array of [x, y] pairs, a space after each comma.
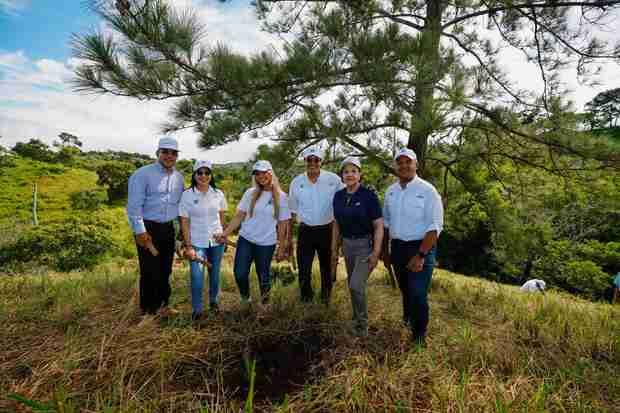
{"points": [[168, 142], [262, 166], [406, 152], [311, 151], [202, 163], [353, 160]]}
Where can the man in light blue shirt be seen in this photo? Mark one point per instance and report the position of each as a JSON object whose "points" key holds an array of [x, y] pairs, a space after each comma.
{"points": [[152, 206], [616, 288]]}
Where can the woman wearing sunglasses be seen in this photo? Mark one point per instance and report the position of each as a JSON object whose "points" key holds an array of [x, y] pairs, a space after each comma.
{"points": [[359, 226], [201, 211]]}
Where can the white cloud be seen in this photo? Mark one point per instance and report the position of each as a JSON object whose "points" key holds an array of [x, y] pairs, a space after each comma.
{"points": [[12, 7], [37, 101]]}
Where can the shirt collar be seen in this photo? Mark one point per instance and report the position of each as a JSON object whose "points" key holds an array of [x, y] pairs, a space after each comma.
{"points": [[317, 178], [415, 179], [161, 168]]}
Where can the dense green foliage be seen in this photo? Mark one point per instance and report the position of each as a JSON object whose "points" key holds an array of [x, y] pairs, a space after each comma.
{"points": [[115, 175], [89, 200], [604, 110], [69, 245]]}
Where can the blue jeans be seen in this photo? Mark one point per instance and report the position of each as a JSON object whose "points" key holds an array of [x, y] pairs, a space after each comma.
{"points": [[214, 256], [261, 256], [413, 286]]}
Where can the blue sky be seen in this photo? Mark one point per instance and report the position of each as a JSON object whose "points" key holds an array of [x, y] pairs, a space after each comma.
{"points": [[36, 100], [44, 29]]}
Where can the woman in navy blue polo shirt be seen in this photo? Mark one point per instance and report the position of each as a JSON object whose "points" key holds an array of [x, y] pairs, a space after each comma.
{"points": [[359, 226]]}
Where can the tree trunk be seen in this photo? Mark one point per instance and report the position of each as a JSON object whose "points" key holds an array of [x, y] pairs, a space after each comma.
{"points": [[35, 218], [427, 72]]}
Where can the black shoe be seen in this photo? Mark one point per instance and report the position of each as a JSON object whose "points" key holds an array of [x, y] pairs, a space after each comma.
{"points": [[214, 307]]}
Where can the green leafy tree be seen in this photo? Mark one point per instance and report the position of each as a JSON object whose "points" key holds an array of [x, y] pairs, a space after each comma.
{"points": [[34, 149], [604, 109], [67, 140], [115, 176]]}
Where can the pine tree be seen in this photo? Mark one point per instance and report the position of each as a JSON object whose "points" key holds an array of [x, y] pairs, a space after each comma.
{"points": [[427, 71]]}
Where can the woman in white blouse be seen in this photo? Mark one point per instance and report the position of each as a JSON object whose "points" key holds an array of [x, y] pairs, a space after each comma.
{"points": [[263, 215], [201, 211]]}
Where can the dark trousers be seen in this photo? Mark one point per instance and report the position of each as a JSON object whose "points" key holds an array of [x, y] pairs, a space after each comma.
{"points": [[314, 239], [155, 270], [246, 253], [413, 286]]}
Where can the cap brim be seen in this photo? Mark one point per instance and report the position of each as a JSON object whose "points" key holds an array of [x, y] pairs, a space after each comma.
{"points": [[406, 156]]}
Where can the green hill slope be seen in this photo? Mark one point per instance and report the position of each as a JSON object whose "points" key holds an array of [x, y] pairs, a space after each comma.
{"points": [[55, 185], [77, 343]]}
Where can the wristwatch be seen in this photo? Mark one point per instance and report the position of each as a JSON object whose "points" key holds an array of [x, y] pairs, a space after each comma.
{"points": [[422, 254]]}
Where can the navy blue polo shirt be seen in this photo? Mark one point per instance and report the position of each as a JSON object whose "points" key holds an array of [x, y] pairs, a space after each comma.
{"points": [[355, 212]]}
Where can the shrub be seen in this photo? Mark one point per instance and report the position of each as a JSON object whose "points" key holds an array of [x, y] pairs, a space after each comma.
{"points": [[88, 200], [115, 175], [586, 278], [582, 268], [74, 244], [35, 149]]}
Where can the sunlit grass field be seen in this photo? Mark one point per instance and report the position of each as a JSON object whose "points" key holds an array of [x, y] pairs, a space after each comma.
{"points": [[77, 343]]}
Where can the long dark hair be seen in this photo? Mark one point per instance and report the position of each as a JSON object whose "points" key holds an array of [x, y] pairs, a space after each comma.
{"points": [[195, 182]]}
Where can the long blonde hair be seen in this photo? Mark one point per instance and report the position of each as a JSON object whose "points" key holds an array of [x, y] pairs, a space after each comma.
{"points": [[275, 194]]}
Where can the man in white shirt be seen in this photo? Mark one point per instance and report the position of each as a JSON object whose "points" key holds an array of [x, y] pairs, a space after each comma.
{"points": [[310, 199], [413, 218]]}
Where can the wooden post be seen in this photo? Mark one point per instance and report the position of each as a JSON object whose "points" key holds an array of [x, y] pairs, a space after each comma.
{"points": [[35, 218]]}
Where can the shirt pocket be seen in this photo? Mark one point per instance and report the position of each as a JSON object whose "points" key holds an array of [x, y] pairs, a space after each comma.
{"points": [[305, 201], [414, 209]]}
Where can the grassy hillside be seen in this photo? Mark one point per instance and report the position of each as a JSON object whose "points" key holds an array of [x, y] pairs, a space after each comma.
{"points": [[76, 342], [55, 185]]}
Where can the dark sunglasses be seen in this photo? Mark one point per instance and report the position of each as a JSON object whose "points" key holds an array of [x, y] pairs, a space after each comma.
{"points": [[203, 172], [168, 152], [313, 159]]}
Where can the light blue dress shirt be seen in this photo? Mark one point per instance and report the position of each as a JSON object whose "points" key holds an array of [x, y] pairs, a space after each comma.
{"points": [[154, 195]]}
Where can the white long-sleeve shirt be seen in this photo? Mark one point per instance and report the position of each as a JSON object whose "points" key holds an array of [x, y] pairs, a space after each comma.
{"points": [[411, 212]]}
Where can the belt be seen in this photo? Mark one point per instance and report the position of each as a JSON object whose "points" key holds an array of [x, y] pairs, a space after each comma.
{"points": [[158, 223], [304, 225], [365, 236]]}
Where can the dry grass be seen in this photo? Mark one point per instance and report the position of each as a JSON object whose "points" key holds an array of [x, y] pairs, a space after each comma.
{"points": [[75, 342]]}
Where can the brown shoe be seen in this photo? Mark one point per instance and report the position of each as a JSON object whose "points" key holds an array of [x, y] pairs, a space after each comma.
{"points": [[165, 312]]}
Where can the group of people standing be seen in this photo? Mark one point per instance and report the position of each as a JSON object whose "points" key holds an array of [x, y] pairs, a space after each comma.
{"points": [[334, 212]]}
